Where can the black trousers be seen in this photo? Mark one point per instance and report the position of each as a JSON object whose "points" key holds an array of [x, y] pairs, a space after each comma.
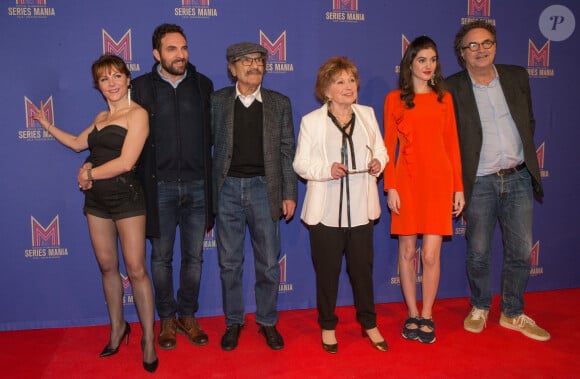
{"points": [[328, 245]]}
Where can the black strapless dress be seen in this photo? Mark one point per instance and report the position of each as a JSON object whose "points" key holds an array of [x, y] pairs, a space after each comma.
{"points": [[118, 197]]}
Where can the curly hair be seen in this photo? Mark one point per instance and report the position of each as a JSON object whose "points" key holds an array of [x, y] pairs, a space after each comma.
{"points": [[459, 43], [328, 72], [406, 76]]}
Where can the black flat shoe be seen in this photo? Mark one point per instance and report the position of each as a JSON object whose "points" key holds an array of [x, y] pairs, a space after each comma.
{"points": [[273, 338], [426, 336], [411, 333], [231, 336], [108, 350], [331, 349]]}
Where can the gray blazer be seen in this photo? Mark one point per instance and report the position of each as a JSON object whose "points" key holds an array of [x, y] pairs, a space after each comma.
{"points": [[516, 88], [279, 145]]}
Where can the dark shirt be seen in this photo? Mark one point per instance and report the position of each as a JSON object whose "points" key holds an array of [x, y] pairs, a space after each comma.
{"points": [[248, 152]]}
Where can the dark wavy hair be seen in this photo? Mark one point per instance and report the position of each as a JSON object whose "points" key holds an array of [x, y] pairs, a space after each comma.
{"points": [[161, 31], [328, 72], [406, 76], [106, 62], [459, 43]]}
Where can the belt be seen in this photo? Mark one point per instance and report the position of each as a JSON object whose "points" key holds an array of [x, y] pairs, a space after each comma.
{"points": [[513, 170]]}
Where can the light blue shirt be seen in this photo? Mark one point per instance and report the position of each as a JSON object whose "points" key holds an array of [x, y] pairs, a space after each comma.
{"points": [[502, 146], [174, 85]]}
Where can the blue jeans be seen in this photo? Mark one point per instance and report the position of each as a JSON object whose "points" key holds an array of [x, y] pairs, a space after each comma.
{"points": [[183, 204], [241, 202], [509, 199]]}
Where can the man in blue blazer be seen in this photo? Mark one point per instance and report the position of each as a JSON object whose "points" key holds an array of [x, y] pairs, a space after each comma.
{"points": [[254, 184], [496, 127]]}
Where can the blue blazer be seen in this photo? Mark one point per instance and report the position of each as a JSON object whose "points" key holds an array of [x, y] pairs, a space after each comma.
{"points": [[278, 139]]}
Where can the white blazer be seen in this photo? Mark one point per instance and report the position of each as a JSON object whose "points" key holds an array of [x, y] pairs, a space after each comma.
{"points": [[311, 163]]}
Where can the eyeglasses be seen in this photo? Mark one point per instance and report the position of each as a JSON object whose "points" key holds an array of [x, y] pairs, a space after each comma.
{"points": [[247, 61], [474, 46], [366, 170]]}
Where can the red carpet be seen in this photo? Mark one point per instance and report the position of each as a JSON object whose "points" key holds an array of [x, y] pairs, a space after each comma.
{"points": [[495, 353]]}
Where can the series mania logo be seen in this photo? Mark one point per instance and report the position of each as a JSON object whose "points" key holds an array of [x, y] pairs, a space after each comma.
{"points": [[122, 48], [34, 131], [396, 280], [209, 240], [195, 9], [404, 45], [344, 11], [31, 9], [535, 269], [128, 298], [478, 10], [460, 223], [540, 152], [45, 240], [277, 62], [284, 286], [539, 60]]}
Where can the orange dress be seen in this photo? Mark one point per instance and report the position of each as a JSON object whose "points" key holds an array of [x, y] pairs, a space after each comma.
{"points": [[427, 170]]}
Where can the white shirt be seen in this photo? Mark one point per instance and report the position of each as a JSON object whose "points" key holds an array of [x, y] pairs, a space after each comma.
{"points": [[247, 100]]}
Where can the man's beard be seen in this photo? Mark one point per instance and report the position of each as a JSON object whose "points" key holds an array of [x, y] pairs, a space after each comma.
{"points": [[171, 69]]}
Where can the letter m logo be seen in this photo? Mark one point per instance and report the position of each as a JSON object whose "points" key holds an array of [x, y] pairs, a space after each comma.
{"points": [[478, 8], [30, 2], [188, 3], [122, 48], [538, 58], [276, 49], [31, 109], [282, 263], [404, 44], [344, 5], [535, 255], [42, 236], [540, 151]]}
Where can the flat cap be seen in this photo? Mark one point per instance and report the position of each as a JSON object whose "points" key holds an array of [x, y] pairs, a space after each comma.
{"points": [[237, 50]]}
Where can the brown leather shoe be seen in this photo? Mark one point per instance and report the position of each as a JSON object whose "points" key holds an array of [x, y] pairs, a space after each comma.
{"points": [[189, 327], [166, 339]]}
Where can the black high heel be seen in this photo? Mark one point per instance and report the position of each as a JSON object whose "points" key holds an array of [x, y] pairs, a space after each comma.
{"points": [[331, 348], [108, 350], [149, 366]]}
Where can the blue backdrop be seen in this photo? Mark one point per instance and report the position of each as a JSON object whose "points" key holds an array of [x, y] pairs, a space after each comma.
{"points": [[48, 274]]}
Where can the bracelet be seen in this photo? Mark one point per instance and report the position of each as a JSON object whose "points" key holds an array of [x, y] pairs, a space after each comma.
{"points": [[90, 174], [48, 129]]}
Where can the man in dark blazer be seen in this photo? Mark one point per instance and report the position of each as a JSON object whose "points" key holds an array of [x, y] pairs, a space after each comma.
{"points": [[254, 184], [175, 169], [501, 176]]}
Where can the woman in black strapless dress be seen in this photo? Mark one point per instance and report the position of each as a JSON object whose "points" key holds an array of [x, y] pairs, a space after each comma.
{"points": [[114, 202]]}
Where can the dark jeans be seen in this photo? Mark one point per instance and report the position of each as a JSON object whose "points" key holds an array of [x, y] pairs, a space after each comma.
{"points": [[180, 204]]}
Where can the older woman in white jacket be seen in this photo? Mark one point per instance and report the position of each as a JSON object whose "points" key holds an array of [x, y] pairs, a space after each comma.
{"points": [[341, 153]]}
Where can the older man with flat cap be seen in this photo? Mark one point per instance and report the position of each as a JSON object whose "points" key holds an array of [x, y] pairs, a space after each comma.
{"points": [[254, 185]]}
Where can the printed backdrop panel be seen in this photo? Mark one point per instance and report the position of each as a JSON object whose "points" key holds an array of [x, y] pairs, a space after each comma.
{"points": [[48, 273]]}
